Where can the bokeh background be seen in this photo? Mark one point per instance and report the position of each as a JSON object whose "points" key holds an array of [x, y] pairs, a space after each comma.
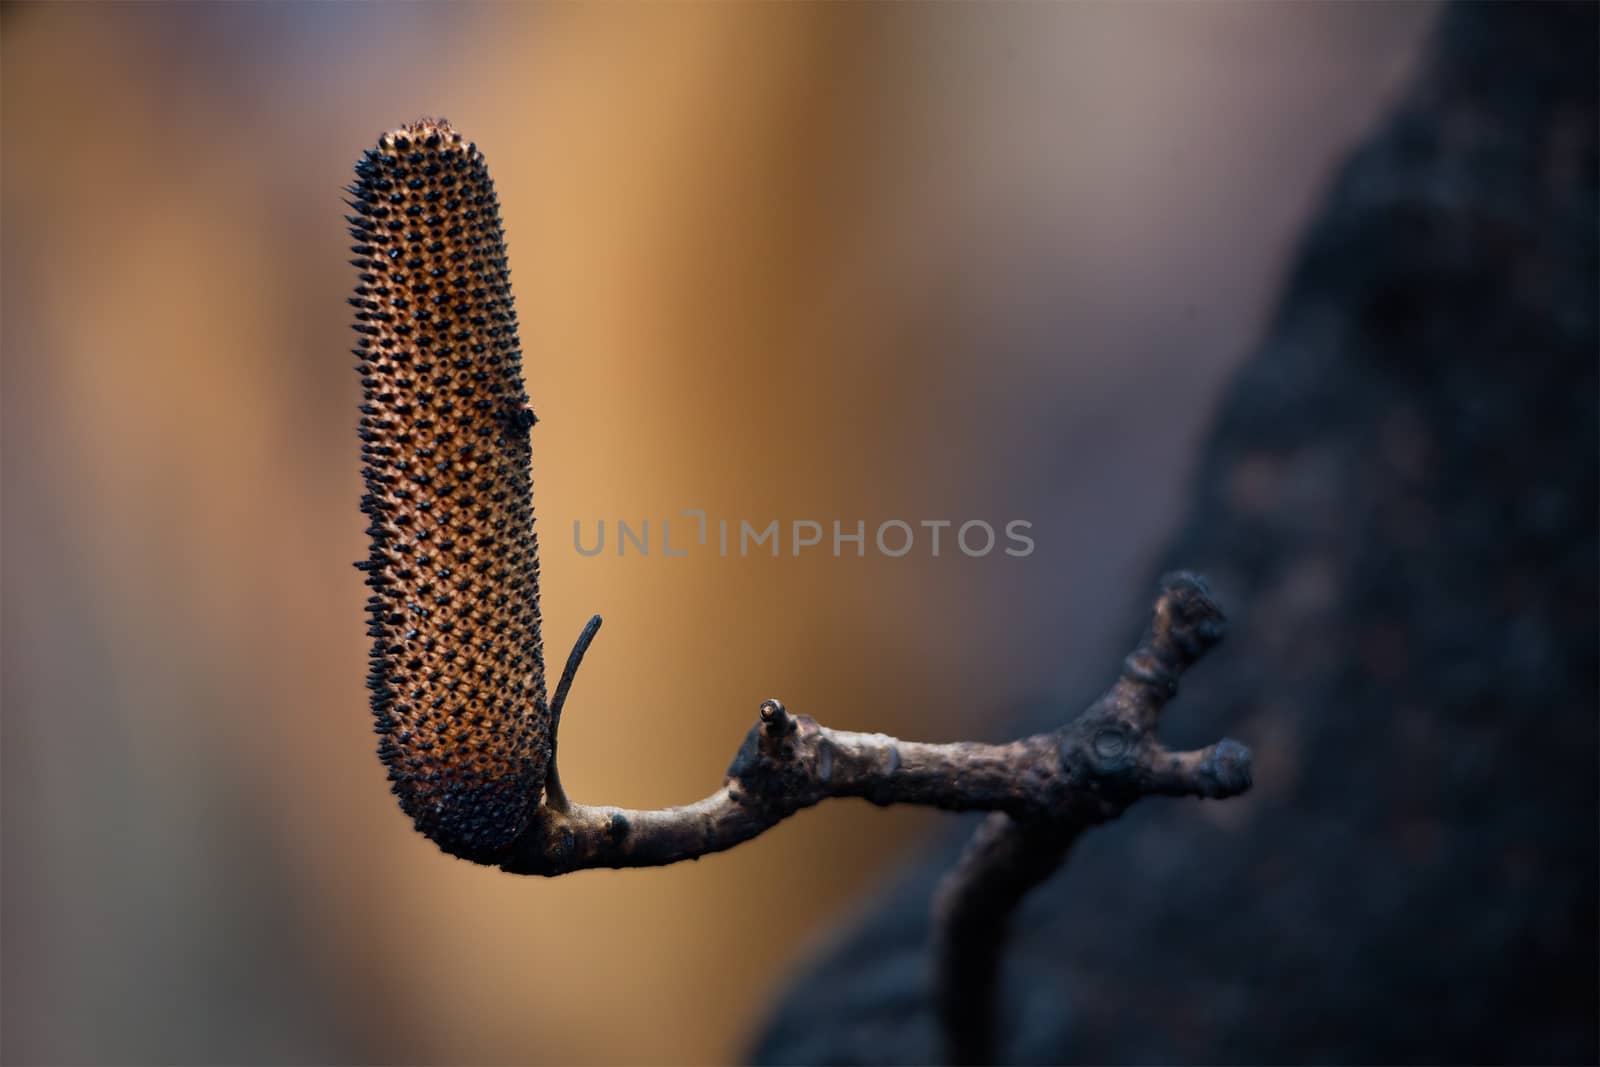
{"points": [[799, 261]]}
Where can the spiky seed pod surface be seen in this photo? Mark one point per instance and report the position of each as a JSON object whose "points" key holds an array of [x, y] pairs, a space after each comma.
{"points": [[457, 674]]}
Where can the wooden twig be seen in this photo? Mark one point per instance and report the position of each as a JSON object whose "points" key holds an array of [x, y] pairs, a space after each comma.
{"points": [[1117, 759], [1085, 773]]}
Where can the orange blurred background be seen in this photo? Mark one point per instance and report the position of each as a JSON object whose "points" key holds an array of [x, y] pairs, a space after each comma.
{"points": [[796, 261]]}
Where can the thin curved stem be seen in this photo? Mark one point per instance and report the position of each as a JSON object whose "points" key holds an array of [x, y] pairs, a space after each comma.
{"points": [[555, 797]]}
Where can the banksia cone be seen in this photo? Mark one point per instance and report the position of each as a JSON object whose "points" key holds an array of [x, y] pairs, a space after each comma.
{"points": [[457, 674]]}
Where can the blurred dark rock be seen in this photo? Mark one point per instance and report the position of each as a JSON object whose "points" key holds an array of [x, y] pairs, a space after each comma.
{"points": [[1398, 507]]}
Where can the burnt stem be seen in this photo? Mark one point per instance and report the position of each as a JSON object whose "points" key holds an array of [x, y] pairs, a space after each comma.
{"points": [[1087, 772]]}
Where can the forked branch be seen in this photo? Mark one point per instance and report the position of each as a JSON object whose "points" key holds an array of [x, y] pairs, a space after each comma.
{"points": [[1087, 772], [1115, 757]]}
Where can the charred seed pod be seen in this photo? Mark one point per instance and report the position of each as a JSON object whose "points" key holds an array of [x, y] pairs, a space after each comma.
{"points": [[457, 673]]}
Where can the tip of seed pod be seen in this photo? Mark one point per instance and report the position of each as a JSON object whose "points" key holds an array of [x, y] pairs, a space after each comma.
{"points": [[423, 133]]}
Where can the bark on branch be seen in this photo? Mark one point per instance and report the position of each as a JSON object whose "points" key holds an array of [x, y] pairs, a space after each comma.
{"points": [[1086, 772]]}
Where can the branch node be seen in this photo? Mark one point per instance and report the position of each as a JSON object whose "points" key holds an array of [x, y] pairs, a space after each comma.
{"points": [[1226, 770], [773, 712], [776, 726]]}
